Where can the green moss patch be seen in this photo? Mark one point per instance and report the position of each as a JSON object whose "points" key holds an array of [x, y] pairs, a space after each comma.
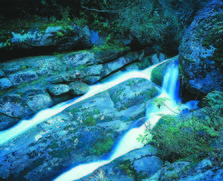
{"points": [[103, 145], [190, 138], [90, 121]]}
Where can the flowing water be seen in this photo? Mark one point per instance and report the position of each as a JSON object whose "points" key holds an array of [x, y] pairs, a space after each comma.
{"points": [[170, 90]]}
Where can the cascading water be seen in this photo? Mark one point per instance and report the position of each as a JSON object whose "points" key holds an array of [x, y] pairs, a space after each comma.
{"points": [[43, 115], [169, 90]]}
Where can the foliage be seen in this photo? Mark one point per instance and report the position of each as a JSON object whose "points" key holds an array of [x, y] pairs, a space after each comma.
{"points": [[60, 34], [102, 146], [190, 138], [146, 137], [160, 101], [98, 176], [127, 168], [214, 98]]}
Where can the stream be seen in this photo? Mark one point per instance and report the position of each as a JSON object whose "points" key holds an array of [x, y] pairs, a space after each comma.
{"points": [[169, 91]]}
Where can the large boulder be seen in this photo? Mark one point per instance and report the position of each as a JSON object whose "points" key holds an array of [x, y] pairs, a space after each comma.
{"points": [[201, 51], [56, 38], [132, 92]]}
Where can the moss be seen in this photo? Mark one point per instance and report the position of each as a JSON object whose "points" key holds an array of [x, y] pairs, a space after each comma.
{"points": [[131, 83], [218, 55], [26, 84], [90, 121], [128, 168], [173, 176], [102, 146], [80, 67], [214, 38], [60, 34], [96, 111], [74, 111], [189, 138]]}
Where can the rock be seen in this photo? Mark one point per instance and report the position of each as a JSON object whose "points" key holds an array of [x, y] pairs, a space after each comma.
{"points": [[23, 77], [1, 74], [61, 78], [47, 65], [148, 165], [38, 102], [201, 51], [117, 64], [108, 55], [133, 66], [13, 66], [162, 57], [77, 75], [7, 121], [78, 88], [157, 74], [94, 70], [5, 83], [74, 60], [155, 177], [204, 165], [173, 171], [11, 105], [27, 92], [117, 125], [57, 38], [155, 59], [132, 92], [58, 89], [143, 152], [83, 132], [133, 113], [90, 80]]}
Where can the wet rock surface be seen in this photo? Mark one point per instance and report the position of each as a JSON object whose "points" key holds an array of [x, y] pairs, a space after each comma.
{"points": [[201, 51], [63, 76], [81, 133]]}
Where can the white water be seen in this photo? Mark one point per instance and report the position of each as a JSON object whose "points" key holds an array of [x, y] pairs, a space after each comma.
{"points": [[43, 115], [128, 142]]}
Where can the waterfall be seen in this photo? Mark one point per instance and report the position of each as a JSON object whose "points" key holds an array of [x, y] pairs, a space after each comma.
{"points": [[169, 89]]}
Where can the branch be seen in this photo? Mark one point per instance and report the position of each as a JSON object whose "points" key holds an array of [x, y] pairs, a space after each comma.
{"points": [[107, 11], [101, 11], [170, 109]]}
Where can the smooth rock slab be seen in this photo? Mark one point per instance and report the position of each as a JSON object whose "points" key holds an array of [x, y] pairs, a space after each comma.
{"points": [[78, 88], [59, 89], [132, 92], [5, 83]]}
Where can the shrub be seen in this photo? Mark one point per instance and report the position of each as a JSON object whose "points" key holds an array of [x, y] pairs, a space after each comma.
{"points": [[189, 138]]}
